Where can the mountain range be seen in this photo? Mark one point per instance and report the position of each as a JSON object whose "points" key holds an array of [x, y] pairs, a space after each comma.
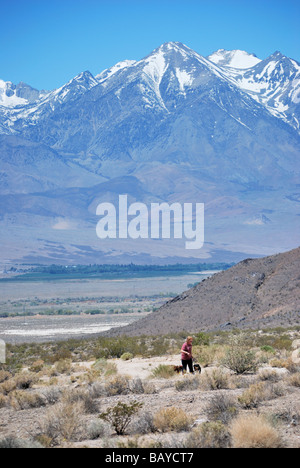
{"points": [[222, 130]]}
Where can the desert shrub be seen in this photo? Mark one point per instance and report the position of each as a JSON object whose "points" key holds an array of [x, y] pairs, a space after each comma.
{"points": [[288, 364], [216, 379], [89, 404], [209, 435], [13, 442], [130, 443], [103, 367], [37, 366], [204, 354], [3, 401], [240, 361], [52, 395], [222, 408], [20, 400], [289, 416], [188, 383], [61, 353], [268, 349], [163, 371], [172, 419], [21, 381], [294, 380], [4, 375], [268, 375], [136, 386], [255, 394], [144, 424], [117, 385], [121, 415], [285, 364], [127, 356], [115, 347], [291, 366], [158, 346], [201, 339], [97, 390], [282, 342], [277, 362], [8, 386], [43, 440], [97, 429], [254, 431], [25, 380], [64, 422], [63, 366], [149, 388]]}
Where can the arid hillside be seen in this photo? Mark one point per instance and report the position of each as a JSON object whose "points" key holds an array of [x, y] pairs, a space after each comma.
{"points": [[255, 293]]}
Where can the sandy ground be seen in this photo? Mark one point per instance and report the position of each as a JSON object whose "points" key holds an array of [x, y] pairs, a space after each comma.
{"points": [[143, 368]]}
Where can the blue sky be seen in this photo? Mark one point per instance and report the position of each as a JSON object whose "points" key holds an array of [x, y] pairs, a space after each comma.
{"points": [[45, 43]]}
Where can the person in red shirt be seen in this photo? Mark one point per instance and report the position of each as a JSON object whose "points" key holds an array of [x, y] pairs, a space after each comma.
{"points": [[187, 356]]}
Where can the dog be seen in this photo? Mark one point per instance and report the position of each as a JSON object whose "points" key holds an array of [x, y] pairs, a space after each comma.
{"points": [[178, 369], [197, 368]]}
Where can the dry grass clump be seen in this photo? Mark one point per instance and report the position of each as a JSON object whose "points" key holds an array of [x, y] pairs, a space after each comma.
{"points": [[21, 400], [222, 407], [209, 435], [163, 371], [294, 380], [216, 379], [13, 442], [188, 383], [144, 424], [3, 401], [64, 422], [172, 419], [117, 385], [4, 375], [285, 363], [63, 366], [78, 395], [259, 392], [254, 431], [269, 376], [20, 381], [37, 366], [25, 380], [97, 429]]}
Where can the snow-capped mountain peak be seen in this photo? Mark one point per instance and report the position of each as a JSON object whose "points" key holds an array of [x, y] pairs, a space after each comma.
{"points": [[234, 59], [168, 74]]}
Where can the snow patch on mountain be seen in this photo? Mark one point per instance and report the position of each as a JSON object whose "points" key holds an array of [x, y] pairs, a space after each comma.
{"points": [[8, 97], [184, 78], [155, 68], [234, 59], [109, 72]]}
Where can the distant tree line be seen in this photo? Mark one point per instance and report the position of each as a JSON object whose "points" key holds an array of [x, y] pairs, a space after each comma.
{"points": [[128, 268]]}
